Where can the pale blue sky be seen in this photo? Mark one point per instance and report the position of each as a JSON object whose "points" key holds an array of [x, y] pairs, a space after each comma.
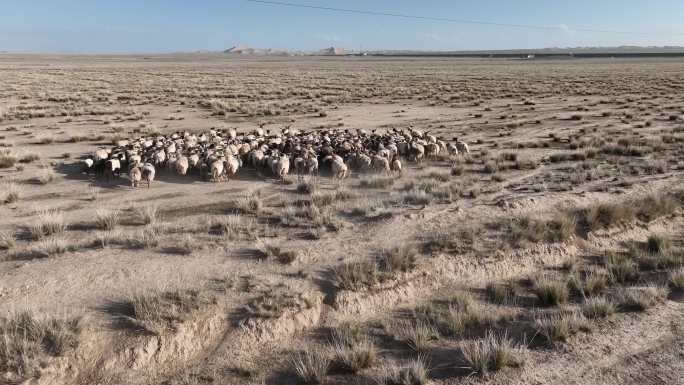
{"points": [[149, 26]]}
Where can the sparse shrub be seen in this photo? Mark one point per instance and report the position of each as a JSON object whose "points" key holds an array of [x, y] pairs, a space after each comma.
{"points": [[416, 197], [490, 167], [598, 307], [107, 219], [311, 366], [641, 298], [12, 193], [621, 268], [274, 303], [417, 335], [559, 327], [594, 283], [353, 349], [677, 279], [48, 222], [143, 239], [550, 292], [159, 312], [26, 341], [413, 373], [492, 353], [499, 293], [605, 215], [7, 159], [398, 259], [7, 240], [658, 243], [356, 275], [655, 206], [148, 214], [251, 204]]}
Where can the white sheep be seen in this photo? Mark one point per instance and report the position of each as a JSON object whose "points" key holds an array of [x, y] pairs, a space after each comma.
{"points": [[135, 175], [231, 166], [182, 165], [148, 172]]}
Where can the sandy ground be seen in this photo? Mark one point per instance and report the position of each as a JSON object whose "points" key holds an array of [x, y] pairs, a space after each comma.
{"points": [[533, 109]]}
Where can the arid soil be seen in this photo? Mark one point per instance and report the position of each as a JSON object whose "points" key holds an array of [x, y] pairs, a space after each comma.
{"points": [[551, 254]]}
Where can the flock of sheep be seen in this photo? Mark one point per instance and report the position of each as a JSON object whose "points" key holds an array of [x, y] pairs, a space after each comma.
{"points": [[219, 154]]}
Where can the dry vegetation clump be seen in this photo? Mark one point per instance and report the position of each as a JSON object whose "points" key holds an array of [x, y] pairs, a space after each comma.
{"points": [[559, 327], [46, 175], [307, 186], [148, 214], [493, 352], [249, 204], [526, 229], [550, 292], [107, 219], [658, 244], [641, 298], [365, 274], [7, 240], [677, 279], [274, 303], [48, 222], [26, 341], [29, 158], [146, 238], [417, 335], [621, 267], [12, 193], [377, 182], [235, 227], [7, 159], [311, 365], [160, 312], [415, 372], [598, 307], [605, 215], [499, 293], [353, 349]]}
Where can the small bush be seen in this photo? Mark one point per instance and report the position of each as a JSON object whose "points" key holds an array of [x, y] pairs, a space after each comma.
{"points": [[621, 268], [7, 159], [491, 353], [598, 307], [550, 292], [311, 366], [356, 275], [7, 241], [416, 335], [46, 175], [655, 206], [12, 193], [353, 349], [307, 187], [48, 222], [159, 312], [251, 204], [677, 279], [605, 215], [29, 158], [107, 219], [499, 293], [26, 341], [559, 327], [413, 373], [149, 214], [641, 298], [657, 244], [377, 182]]}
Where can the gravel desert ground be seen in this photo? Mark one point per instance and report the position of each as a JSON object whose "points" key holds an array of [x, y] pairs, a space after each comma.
{"points": [[551, 253]]}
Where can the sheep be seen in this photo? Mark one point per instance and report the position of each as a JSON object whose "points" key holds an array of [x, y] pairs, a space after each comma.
{"points": [[431, 150], [216, 168], [231, 166], [148, 172], [339, 168], [395, 165], [182, 165], [135, 175], [380, 164], [112, 169], [462, 146], [283, 167], [87, 164]]}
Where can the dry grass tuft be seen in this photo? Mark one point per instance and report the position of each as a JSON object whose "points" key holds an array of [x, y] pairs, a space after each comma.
{"points": [[26, 341], [353, 349], [12, 193], [415, 372], [658, 243], [7, 159], [641, 298], [148, 214], [311, 366], [159, 312], [550, 292], [559, 327], [492, 353], [107, 219], [48, 222], [677, 279], [598, 307]]}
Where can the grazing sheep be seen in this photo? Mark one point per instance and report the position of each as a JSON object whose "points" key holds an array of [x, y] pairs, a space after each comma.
{"points": [[431, 150], [216, 168], [148, 172], [462, 146], [416, 151], [87, 165], [283, 166], [380, 164], [182, 165], [339, 169], [135, 175], [396, 165], [231, 166], [112, 169]]}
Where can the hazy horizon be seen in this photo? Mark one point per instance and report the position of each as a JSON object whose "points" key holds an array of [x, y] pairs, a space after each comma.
{"points": [[128, 27]]}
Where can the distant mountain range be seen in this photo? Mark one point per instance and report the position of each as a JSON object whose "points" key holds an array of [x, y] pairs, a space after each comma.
{"points": [[242, 49]]}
